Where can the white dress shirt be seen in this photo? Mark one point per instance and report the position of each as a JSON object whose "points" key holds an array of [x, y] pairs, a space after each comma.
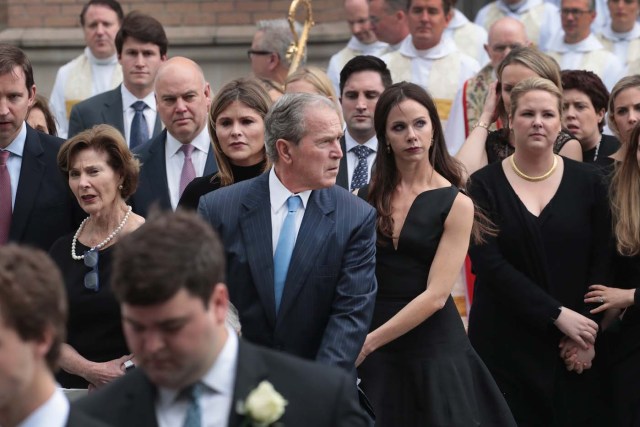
{"points": [[174, 159], [216, 401], [53, 413], [278, 195], [352, 159], [128, 112], [14, 162]]}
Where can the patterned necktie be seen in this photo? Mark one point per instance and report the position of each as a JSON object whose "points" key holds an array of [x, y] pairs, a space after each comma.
{"points": [[361, 173], [139, 130], [284, 249], [188, 170], [5, 198], [193, 418]]}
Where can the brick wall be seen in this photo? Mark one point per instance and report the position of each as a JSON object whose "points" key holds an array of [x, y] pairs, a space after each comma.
{"points": [[64, 13]]}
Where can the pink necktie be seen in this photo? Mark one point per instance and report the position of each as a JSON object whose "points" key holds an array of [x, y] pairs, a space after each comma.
{"points": [[188, 171], [5, 198]]}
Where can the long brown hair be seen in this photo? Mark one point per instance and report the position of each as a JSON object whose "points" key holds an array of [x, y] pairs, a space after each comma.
{"points": [[385, 176], [625, 198]]}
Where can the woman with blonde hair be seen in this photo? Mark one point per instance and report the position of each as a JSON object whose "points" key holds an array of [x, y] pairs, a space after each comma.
{"points": [[311, 79], [236, 126], [624, 111]]}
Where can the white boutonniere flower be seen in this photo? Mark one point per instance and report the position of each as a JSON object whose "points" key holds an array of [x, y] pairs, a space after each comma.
{"points": [[263, 406]]}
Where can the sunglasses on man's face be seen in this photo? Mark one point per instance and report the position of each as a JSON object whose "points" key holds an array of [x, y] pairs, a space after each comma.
{"points": [[91, 278]]}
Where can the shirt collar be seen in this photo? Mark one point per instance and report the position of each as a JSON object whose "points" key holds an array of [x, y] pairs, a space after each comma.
{"points": [[589, 44], [54, 412], [106, 61], [16, 147], [442, 49], [200, 142], [366, 49], [128, 98], [608, 33], [278, 193], [349, 142], [459, 20]]}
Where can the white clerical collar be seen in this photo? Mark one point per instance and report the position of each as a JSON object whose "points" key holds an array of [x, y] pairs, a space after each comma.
{"points": [[201, 142], [442, 49], [518, 8], [589, 44], [105, 61], [608, 33], [366, 49], [53, 413], [128, 98], [459, 20], [349, 142], [278, 193]]}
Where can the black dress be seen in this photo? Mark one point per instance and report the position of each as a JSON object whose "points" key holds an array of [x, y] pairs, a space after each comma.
{"points": [[430, 376], [523, 276], [206, 184], [599, 155], [94, 326]]}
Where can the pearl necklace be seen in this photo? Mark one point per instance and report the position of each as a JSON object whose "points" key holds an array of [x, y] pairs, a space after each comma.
{"points": [[101, 244], [534, 178]]}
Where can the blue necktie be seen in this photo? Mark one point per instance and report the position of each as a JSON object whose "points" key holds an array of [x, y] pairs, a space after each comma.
{"points": [[194, 412], [284, 249], [361, 173], [139, 129]]}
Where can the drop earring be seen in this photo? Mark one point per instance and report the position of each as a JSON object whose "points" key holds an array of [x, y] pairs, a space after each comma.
{"points": [[388, 149]]}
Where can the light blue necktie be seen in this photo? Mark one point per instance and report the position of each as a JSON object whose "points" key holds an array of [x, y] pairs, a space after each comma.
{"points": [[194, 412], [139, 131], [284, 249]]}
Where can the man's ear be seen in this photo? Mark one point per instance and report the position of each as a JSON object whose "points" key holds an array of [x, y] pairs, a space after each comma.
{"points": [[283, 148]]}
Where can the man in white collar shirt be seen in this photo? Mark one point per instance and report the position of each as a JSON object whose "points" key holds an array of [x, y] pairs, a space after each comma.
{"points": [[97, 69], [429, 59], [141, 44], [33, 314], [576, 48], [469, 37], [363, 40], [622, 35], [182, 151], [541, 19], [192, 369], [389, 21], [504, 35], [362, 81]]}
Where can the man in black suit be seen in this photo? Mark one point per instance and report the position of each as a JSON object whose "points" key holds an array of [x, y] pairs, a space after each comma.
{"points": [[36, 206], [362, 81], [33, 315], [183, 150], [141, 44], [168, 277]]}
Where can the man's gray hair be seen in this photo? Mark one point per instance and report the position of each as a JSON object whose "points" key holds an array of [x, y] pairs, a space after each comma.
{"points": [[286, 119], [277, 37]]}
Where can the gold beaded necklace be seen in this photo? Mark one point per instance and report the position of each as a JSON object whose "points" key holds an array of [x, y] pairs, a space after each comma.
{"points": [[534, 178]]}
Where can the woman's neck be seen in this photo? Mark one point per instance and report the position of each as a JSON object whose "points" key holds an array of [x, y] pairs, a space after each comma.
{"points": [[533, 164], [591, 142], [415, 174], [104, 222]]}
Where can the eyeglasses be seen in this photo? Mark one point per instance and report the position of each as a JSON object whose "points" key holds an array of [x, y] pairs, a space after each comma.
{"points": [[91, 278], [258, 52], [575, 12]]}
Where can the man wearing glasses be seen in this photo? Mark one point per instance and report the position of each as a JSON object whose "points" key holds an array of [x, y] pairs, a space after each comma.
{"points": [[268, 54], [622, 35], [576, 48]]}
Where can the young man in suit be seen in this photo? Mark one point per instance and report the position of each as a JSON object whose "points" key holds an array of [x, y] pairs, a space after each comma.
{"points": [[141, 45], [182, 151], [33, 315], [300, 250], [192, 367], [36, 206]]}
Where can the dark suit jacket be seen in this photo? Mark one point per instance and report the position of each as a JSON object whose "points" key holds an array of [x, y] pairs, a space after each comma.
{"points": [[44, 208], [318, 396], [152, 185], [104, 108], [80, 419], [343, 171], [330, 289]]}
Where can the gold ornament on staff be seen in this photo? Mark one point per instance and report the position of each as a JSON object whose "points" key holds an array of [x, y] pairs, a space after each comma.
{"points": [[297, 47]]}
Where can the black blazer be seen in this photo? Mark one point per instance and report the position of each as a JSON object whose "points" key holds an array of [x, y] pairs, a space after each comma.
{"points": [[343, 171], [104, 108], [317, 395], [80, 419], [153, 186], [44, 208]]}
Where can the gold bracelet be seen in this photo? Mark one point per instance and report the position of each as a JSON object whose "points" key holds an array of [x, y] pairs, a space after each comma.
{"points": [[481, 125]]}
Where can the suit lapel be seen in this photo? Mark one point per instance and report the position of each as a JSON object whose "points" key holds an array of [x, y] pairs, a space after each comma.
{"points": [[311, 239], [250, 370], [156, 169], [31, 173], [112, 113], [343, 171], [255, 225], [157, 127], [140, 403], [210, 166]]}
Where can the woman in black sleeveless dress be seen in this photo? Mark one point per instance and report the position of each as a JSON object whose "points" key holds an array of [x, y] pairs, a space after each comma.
{"points": [[417, 366]]}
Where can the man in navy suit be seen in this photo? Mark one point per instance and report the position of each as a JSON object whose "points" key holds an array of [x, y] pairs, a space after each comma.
{"points": [[141, 44], [169, 279], [320, 307], [183, 150], [36, 206], [33, 315]]}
